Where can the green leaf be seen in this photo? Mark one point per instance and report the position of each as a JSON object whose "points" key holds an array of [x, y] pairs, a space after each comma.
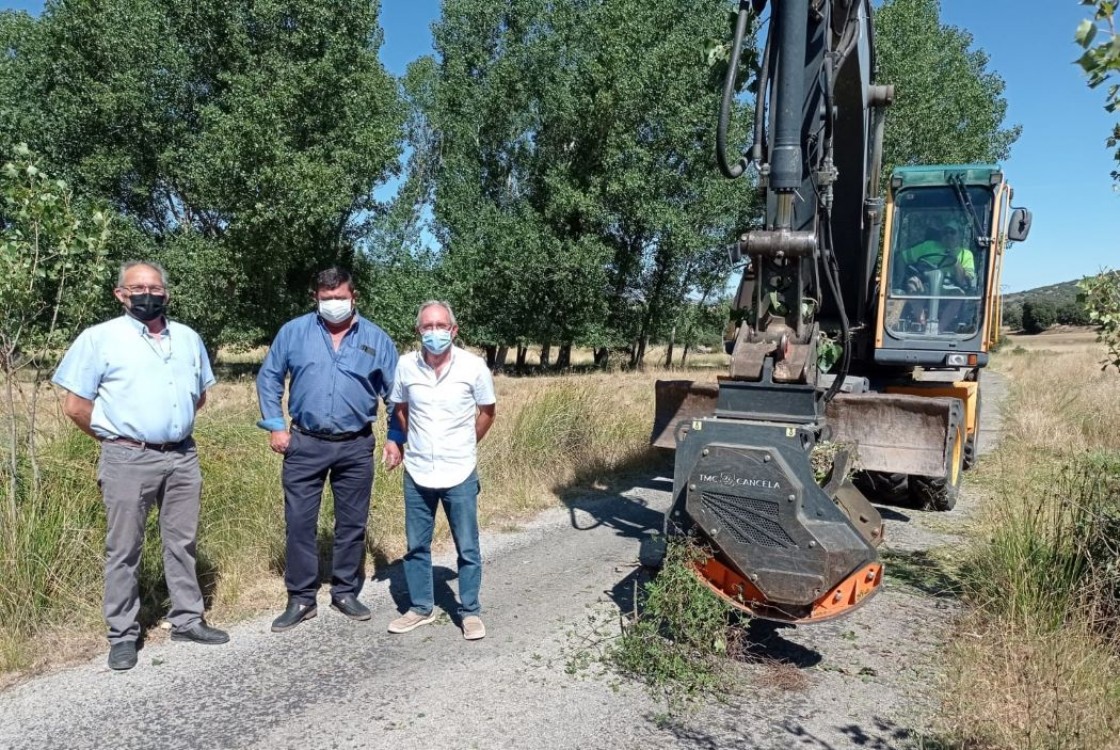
{"points": [[1086, 31]]}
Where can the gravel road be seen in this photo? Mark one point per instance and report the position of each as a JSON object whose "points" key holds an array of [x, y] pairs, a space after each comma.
{"points": [[866, 681]]}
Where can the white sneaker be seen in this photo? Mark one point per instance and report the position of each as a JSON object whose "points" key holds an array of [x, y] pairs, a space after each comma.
{"points": [[410, 621], [473, 629]]}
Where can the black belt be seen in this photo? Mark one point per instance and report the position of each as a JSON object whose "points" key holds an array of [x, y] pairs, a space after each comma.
{"points": [[161, 447], [334, 437]]}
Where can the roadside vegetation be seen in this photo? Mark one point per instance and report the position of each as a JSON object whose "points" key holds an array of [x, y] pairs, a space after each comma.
{"points": [[1036, 661], [552, 433]]}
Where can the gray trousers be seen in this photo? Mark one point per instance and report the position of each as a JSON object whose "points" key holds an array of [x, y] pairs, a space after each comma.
{"points": [[132, 480]]}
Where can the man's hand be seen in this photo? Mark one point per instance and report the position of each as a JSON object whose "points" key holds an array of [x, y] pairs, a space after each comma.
{"points": [[914, 285], [278, 441], [391, 455]]}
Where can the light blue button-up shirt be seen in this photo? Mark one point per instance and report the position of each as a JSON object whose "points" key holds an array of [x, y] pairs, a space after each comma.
{"points": [[331, 391], [142, 387]]}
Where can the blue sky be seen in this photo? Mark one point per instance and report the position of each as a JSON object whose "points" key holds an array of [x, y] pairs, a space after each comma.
{"points": [[1059, 167]]}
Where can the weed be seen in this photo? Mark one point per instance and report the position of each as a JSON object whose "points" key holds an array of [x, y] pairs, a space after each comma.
{"points": [[680, 641]]}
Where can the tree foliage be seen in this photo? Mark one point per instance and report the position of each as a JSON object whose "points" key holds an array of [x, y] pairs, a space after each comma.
{"points": [[1097, 36], [949, 108], [1100, 295], [577, 199], [1038, 315], [52, 267], [242, 139], [1101, 60]]}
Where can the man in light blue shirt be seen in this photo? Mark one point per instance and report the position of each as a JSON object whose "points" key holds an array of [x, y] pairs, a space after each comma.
{"points": [[340, 364], [134, 383]]}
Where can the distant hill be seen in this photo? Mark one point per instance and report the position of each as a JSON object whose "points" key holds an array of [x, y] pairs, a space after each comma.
{"points": [[1059, 294], [1062, 299]]}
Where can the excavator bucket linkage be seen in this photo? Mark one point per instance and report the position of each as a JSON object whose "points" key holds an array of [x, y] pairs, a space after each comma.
{"points": [[784, 547]]}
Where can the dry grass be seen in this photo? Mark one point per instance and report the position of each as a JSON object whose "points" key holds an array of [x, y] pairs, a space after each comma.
{"points": [[552, 433], [1036, 664], [1010, 688]]}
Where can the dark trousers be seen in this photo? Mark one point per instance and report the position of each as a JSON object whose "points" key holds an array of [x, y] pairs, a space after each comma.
{"points": [[309, 462]]}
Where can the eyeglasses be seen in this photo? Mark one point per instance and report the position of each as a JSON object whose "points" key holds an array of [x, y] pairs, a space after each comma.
{"points": [[145, 289], [435, 327]]}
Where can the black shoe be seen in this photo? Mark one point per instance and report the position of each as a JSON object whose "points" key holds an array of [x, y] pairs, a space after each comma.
{"points": [[293, 615], [122, 655], [202, 633], [349, 605]]}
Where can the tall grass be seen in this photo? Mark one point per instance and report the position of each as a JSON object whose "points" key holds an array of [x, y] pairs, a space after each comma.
{"points": [[1037, 663], [551, 433]]}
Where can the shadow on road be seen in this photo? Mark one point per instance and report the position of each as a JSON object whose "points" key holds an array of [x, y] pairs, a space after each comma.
{"points": [[598, 500], [883, 735], [441, 581]]}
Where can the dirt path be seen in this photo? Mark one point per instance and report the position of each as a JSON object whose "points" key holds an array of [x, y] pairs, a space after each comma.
{"points": [[865, 681]]}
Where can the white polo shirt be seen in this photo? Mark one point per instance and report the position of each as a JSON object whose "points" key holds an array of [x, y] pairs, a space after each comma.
{"points": [[442, 450]]}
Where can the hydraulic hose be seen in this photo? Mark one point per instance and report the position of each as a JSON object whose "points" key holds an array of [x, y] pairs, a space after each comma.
{"points": [[731, 171], [832, 275]]}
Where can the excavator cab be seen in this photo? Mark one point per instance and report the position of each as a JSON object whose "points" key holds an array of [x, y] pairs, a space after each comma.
{"points": [[947, 228]]}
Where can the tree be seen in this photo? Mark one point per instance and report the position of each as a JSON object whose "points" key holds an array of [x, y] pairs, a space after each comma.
{"points": [[52, 269], [1072, 314], [949, 108], [243, 140], [1102, 60], [1013, 316], [577, 199], [1100, 295], [1038, 315]]}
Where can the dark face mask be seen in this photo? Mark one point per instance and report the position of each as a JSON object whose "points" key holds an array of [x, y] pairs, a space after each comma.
{"points": [[147, 307]]}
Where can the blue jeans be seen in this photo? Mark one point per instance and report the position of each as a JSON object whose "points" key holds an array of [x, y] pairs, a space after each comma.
{"points": [[460, 505]]}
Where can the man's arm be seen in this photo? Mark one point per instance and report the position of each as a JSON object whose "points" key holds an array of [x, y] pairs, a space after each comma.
{"points": [[485, 398], [80, 412], [79, 374], [389, 391], [200, 403], [391, 454], [483, 421], [965, 269], [270, 393]]}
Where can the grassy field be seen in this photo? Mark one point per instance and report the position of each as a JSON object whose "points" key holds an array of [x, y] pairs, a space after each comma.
{"points": [[1036, 663], [552, 433]]}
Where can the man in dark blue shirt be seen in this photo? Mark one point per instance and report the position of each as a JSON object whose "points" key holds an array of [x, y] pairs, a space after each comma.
{"points": [[339, 363]]}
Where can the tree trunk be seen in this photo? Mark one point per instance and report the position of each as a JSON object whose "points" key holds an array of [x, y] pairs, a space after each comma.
{"points": [[684, 355], [564, 357], [546, 354], [491, 355], [521, 352], [500, 360], [643, 343], [634, 353], [669, 353], [602, 354]]}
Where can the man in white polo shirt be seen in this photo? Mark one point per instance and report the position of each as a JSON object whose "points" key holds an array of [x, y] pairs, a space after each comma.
{"points": [[444, 398]]}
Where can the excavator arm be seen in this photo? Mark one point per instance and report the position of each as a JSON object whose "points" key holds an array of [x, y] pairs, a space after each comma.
{"points": [[784, 545]]}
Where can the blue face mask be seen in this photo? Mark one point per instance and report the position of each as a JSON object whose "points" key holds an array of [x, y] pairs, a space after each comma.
{"points": [[436, 342]]}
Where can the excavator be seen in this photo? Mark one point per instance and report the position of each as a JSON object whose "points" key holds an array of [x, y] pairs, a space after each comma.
{"points": [[858, 333]]}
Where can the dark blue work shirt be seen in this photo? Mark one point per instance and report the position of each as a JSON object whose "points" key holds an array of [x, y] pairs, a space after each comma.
{"points": [[330, 391]]}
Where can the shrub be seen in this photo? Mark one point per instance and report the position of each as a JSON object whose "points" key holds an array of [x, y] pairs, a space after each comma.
{"points": [[1038, 315]]}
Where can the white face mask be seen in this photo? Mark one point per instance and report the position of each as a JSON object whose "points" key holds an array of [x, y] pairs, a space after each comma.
{"points": [[336, 310]]}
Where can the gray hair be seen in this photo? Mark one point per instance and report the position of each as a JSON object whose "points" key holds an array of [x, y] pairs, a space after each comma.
{"points": [[150, 264], [435, 303]]}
